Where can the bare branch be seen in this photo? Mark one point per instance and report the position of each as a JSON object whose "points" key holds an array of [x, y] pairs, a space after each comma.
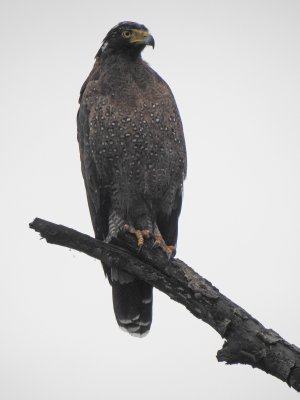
{"points": [[247, 340]]}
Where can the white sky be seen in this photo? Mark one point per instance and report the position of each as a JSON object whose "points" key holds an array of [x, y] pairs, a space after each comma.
{"points": [[234, 67]]}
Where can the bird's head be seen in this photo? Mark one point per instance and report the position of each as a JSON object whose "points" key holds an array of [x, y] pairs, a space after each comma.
{"points": [[128, 38]]}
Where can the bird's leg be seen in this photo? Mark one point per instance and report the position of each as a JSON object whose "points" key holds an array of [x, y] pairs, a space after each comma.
{"points": [[139, 234], [159, 242]]}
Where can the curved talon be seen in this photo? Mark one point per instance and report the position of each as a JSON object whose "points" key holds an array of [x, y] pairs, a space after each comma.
{"points": [[142, 234], [139, 234], [159, 242], [170, 251], [146, 233], [155, 245]]}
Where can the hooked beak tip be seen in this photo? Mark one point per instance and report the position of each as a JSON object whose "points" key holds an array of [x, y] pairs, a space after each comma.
{"points": [[149, 41]]}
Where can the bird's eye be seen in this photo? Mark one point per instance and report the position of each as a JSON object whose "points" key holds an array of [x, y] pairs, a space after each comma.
{"points": [[126, 34]]}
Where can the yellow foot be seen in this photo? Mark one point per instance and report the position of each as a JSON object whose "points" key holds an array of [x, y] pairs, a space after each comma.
{"points": [[159, 242], [139, 234]]}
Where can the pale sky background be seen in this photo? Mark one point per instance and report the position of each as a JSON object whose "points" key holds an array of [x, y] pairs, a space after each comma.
{"points": [[234, 68]]}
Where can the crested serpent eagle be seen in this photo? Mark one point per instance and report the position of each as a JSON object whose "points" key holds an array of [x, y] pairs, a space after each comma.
{"points": [[133, 160]]}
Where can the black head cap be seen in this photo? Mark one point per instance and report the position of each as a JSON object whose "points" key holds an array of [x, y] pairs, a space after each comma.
{"points": [[128, 38]]}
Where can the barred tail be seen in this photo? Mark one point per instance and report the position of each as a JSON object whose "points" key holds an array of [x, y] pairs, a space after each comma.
{"points": [[132, 300]]}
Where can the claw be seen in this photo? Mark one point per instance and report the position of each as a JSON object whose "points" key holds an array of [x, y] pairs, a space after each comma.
{"points": [[146, 233], [155, 245], [159, 242], [139, 234], [170, 251], [142, 234]]}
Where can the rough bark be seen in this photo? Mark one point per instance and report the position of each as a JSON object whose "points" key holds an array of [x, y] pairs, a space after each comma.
{"points": [[247, 341]]}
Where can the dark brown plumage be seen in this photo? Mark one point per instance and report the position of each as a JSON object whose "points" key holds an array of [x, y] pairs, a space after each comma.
{"points": [[133, 159]]}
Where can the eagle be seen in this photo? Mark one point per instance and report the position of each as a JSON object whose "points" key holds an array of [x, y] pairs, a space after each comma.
{"points": [[133, 160]]}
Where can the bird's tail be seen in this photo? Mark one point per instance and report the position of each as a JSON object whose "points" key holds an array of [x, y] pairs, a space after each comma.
{"points": [[132, 300]]}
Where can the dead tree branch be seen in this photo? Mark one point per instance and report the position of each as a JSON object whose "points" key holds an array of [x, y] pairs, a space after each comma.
{"points": [[247, 341]]}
